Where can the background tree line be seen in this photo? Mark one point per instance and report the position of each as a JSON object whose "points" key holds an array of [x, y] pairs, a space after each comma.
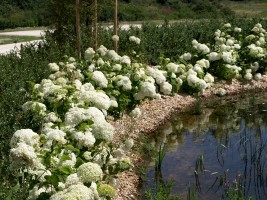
{"points": [[29, 13]]}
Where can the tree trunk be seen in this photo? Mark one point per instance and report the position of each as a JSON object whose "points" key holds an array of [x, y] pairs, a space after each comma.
{"points": [[78, 28], [95, 24], [115, 24]]}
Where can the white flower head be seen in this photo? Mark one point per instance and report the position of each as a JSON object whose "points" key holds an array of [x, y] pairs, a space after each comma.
{"points": [[89, 54], [90, 172], [257, 76], [172, 67], [186, 56], [26, 136], [115, 38], [221, 92], [135, 113], [100, 79], [53, 67], [125, 60], [166, 88], [135, 39]]}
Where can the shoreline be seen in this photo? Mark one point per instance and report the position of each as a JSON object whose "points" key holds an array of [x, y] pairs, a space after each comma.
{"points": [[156, 112]]}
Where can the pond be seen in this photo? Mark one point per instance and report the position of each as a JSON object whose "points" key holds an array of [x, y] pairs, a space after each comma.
{"points": [[220, 153]]}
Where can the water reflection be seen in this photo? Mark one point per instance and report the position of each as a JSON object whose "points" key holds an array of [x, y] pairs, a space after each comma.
{"points": [[222, 151]]}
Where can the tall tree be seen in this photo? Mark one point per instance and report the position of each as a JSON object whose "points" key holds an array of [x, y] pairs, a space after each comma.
{"points": [[78, 27], [116, 24], [95, 24]]}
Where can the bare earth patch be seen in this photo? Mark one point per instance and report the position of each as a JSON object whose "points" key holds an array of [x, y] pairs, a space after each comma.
{"points": [[157, 112]]}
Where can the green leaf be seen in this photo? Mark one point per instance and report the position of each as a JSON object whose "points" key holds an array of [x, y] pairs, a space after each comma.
{"points": [[65, 157], [72, 148], [43, 196], [52, 179], [66, 169], [79, 162]]}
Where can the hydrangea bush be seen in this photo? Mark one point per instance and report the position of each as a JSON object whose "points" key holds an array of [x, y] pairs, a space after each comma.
{"points": [[70, 155]]}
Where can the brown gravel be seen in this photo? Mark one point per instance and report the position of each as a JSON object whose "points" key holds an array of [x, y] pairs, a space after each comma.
{"points": [[155, 113]]}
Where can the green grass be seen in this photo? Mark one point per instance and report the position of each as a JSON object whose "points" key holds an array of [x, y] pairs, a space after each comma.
{"points": [[248, 9], [7, 39]]}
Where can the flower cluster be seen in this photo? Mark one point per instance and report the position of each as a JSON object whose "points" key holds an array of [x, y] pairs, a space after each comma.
{"points": [[73, 146]]}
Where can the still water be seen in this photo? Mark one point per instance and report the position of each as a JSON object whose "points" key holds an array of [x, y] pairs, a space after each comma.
{"points": [[223, 150]]}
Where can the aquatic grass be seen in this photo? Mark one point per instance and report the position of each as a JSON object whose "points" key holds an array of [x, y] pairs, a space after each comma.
{"points": [[160, 157], [163, 192], [199, 167], [191, 193]]}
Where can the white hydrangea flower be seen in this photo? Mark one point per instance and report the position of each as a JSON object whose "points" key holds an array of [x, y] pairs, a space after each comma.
{"points": [[230, 42], [102, 50], [221, 92], [52, 117], [70, 67], [118, 153], [248, 76], [91, 67], [90, 172], [87, 87], [194, 81], [213, 56], [116, 67], [23, 152], [89, 54], [78, 191], [100, 62], [113, 55], [100, 79], [128, 144], [35, 107], [202, 48], [57, 135], [115, 38], [53, 67], [257, 76], [135, 39], [147, 89], [166, 88], [40, 174], [84, 139], [103, 130], [97, 98], [256, 51], [125, 60], [238, 30], [235, 68], [71, 162], [72, 179], [135, 113], [227, 25], [124, 82], [158, 75], [197, 68], [254, 66], [186, 56], [26, 136], [228, 57], [209, 78], [172, 67], [61, 81], [35, 192], [237, 46]]}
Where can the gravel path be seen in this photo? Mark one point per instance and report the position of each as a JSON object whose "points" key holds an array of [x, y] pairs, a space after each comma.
{"points": [[6, 48], [36, 33]]}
